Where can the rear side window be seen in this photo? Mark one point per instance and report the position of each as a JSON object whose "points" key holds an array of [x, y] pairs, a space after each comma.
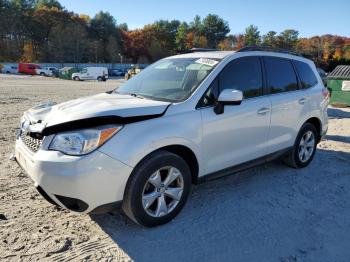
{"points": [[243, 74], [306, 75], [280, 74]]}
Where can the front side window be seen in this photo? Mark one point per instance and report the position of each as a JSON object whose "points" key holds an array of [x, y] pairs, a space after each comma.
{"points": [[173, 79], [84, 70], [306, 75], [243, 74], [280, 74], [210, 96]]}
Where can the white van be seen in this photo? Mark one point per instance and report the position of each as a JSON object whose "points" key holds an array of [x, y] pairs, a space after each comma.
{"points": [[91, 73], [10, 69]]}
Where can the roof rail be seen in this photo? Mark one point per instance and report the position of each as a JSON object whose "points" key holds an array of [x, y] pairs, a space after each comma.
{"points": [[199, 49], [268, 49]]}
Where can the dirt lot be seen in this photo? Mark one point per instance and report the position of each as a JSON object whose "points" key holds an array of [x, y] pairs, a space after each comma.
{"points": [[269, 213]]}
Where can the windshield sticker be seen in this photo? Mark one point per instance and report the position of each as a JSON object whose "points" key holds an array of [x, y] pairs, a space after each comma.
{"points": [[207, 61]]}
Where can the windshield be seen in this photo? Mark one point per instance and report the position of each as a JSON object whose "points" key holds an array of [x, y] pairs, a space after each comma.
{"points": [[173, 79]]}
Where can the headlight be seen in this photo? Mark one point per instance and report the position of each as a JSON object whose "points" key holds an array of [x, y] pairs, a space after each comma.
{"points": [[84, 141]]}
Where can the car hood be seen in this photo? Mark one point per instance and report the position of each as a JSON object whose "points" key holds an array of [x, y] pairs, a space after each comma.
{"points": [[93, 107]]}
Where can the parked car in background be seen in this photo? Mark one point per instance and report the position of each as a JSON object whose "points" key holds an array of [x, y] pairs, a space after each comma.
{"points": [[91, 73], [10, 69], [183, 120], [116, 72], [55, 71], [323, 75], [47, 71], [66, 72], [28, 68]]}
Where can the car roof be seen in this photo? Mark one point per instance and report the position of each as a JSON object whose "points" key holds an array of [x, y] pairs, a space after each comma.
{"points": [[223, 54], [209, 54]]}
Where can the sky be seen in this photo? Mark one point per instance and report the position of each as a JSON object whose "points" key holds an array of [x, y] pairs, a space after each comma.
{"points": [[309, 17]]}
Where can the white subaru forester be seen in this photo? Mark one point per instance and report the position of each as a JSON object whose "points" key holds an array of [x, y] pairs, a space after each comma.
{"points": [[185, 119]]}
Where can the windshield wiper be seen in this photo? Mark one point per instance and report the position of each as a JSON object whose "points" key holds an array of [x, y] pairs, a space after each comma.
{"points": [[136, 95], [131, 94]]}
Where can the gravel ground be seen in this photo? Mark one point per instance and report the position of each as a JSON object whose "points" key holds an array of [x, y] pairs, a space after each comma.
{"points": [[269, 213]]}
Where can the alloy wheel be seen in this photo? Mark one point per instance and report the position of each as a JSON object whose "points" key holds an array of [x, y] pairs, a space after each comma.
{"points": [[162, 191], [306, 146]]}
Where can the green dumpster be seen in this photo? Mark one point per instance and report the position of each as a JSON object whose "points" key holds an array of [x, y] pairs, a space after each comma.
{"points": [[338, 82], [66, 72]]}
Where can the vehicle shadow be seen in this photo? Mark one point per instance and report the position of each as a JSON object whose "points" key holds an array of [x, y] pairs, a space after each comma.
{"points": [[268, 213], [338, 112], [344, 139]]}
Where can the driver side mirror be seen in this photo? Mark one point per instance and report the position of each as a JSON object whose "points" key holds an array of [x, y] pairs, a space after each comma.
{"points": [[228, 97]]}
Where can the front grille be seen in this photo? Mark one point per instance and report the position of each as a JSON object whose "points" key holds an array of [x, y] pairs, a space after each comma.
{"points": [[32, 143]]}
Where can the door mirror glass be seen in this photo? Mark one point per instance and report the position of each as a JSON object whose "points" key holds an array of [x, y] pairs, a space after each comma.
{"points": [[230, 97]]}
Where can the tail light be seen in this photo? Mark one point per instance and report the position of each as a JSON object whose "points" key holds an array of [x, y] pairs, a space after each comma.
{"points": [[325, 93]]}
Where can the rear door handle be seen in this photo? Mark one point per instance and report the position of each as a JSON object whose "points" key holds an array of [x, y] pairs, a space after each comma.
{"points": [[302, 100], [263, 111]]}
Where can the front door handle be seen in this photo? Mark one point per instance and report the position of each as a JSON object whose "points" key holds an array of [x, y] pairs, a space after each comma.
{"points": [[302, 100], [263, 111]]}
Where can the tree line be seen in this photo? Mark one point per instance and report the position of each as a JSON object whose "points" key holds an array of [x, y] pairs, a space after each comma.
{"points": [[44, 31]]}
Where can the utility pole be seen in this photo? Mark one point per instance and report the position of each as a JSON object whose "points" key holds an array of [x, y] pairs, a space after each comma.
{"points": [[121, 58]]}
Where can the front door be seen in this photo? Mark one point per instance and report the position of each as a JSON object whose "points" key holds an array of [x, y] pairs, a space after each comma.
{"points": [[240, 133]]}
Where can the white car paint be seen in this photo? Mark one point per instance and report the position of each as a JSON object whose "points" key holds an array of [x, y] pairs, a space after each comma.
{"points": [[10, 69], [257, 127], [95, 106], [47, 71], [91, 73]]}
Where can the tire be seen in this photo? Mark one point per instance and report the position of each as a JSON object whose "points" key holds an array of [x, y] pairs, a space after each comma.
{"points": [[76, 78], [139, 188], [42, 74], [294, 158], [99, 79]]}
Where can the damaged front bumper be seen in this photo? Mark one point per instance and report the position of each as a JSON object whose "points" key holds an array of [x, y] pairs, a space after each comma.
{"points": [[81, 184]]}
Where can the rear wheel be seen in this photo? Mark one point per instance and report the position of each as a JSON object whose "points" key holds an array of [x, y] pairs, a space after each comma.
{"points": [[42, 74], [158, 189], [76, 78], [304, 147]]}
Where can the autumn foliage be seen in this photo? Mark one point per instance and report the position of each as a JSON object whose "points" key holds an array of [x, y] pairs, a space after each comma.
{"points": [[44, 31]]}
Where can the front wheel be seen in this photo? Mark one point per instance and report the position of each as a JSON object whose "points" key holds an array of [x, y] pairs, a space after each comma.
{"points": [[304, 147], [158, 189]]}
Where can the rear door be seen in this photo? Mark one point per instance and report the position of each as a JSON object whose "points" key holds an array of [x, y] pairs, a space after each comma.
{"points": [[289, 102], [240, 133]]}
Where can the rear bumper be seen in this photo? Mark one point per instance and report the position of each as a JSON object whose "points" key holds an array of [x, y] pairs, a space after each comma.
{"points": [[80, 184]]}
